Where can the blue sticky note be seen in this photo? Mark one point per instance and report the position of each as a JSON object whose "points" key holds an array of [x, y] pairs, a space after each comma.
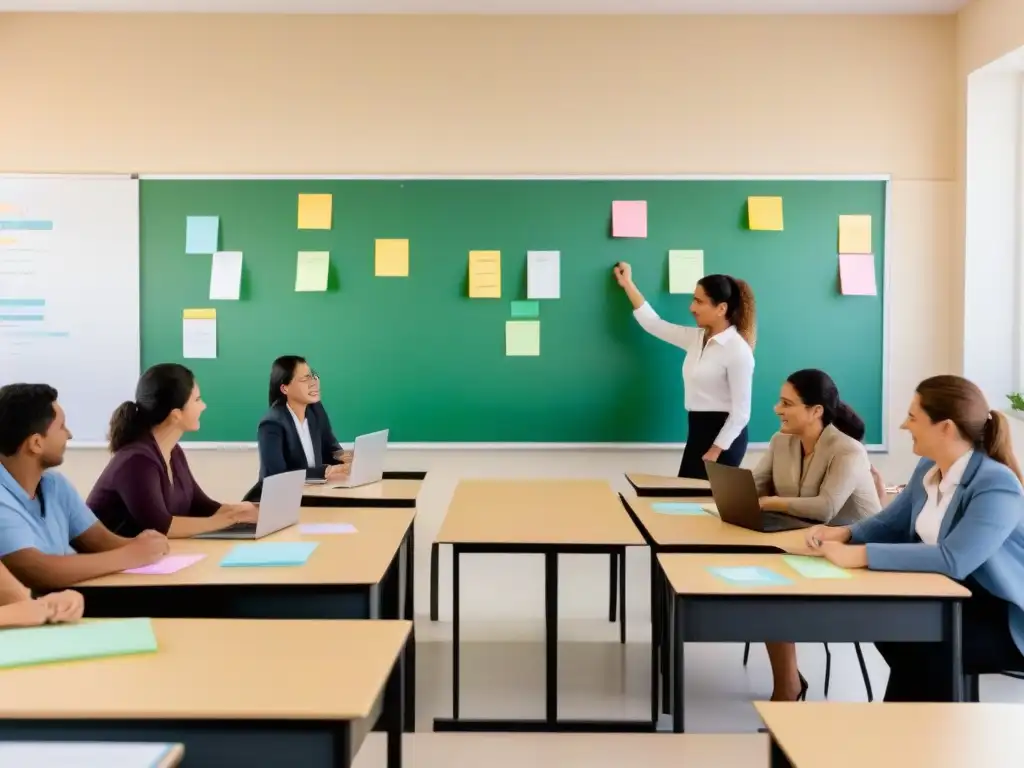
{"points": [[201, 234], [750, 576], [678, 508], [278, 553]]}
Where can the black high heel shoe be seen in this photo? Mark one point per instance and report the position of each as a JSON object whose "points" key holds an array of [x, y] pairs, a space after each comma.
{"points": [[802, 696]]}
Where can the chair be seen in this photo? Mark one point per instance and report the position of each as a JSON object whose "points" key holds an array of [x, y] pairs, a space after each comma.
{"points": [[828, 667], [972, 691]]}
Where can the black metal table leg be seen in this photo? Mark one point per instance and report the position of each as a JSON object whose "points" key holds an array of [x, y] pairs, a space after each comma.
{"points": [[678, 643], [455, 632], [434, 557], [613, 577], [622, 596], [954, 611], [551, 636]]}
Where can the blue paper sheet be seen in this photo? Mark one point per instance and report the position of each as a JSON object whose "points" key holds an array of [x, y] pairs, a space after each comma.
{"points": [[278, 553], [201, 234], [750, 576], [678, 508]]}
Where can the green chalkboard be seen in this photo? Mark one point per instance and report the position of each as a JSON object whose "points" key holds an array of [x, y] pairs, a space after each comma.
{"points": [[418, 356]]}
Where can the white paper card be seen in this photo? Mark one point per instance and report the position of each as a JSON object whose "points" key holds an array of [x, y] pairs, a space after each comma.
{"points": [[226, 275], [199, 338], [543, 275]]}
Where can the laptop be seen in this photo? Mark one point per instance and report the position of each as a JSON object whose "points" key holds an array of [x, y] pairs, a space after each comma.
{"points": [[735, 495], [278, 508], [367, 460]]}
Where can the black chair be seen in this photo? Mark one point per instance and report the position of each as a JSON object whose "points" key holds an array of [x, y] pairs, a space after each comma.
{"points": [[828, 667]]}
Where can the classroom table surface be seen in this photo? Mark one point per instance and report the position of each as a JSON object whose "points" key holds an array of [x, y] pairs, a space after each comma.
{"points": [[89, 754], [396, 490], [221, 669], [689, 574], [645, 482], [362, 557], [706, 530], [855, 735], [543, 512], [575, 750]]}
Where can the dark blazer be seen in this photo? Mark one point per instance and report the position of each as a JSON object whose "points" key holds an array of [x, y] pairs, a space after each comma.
{"points": [[280, 448]]}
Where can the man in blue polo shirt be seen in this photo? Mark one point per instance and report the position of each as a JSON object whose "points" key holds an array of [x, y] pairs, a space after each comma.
{"points": [[49, 538]]}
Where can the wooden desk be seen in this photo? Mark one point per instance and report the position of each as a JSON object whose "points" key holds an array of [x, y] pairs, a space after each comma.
{"points": [[871, 606], [546, 517], [389, 492], [252, 693], [664, 485], [84, 754], [844, 735], [349, 576]]}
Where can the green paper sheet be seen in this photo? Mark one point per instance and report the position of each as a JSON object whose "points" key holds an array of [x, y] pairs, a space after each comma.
{"points": [[67, 642], [815, 567]]}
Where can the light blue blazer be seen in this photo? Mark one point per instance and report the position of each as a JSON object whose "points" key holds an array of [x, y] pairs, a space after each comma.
{"points": [[982, 534]]}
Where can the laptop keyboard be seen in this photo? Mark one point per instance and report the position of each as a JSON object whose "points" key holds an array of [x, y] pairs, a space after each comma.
{"points": [[240, 528]]}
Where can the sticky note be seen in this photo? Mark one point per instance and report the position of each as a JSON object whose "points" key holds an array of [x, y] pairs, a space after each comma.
{"points": [[67, 642], [855, 234], [815, 567], [685, 268], [226, 276], [678, 508], [283, 553], [629, 218], [857, 274], [522, 338], [485, 274], [319, 528], [525, 309], [543, 274], [311, 270], [201, 234], [167, 565], [749, 576], [765, 213], [391, 258], [315, 211], [199, 334]]}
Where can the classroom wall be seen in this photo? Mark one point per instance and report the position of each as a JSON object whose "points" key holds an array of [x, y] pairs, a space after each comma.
{"points": [[808, 95]]}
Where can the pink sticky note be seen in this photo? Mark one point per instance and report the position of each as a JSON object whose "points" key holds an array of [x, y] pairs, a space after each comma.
{"points": [[629, 218], [857, 274], [314, 528], [170, 564]]}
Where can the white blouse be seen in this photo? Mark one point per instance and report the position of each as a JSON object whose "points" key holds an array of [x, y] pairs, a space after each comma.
{"points": [[305, 438], [939, 491], [718, 376]]}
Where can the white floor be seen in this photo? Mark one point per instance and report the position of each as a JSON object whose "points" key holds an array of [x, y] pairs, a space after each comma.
{"points": [[599, 678]]}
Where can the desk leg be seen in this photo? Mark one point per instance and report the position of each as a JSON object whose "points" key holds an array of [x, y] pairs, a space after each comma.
{"points": [[394, 699], [434, 567], [551, 635], [667, 601], [677, 665], [613, 578], [410, 615], [655, 630], [954, 637], [455, 631], [622, 596]]}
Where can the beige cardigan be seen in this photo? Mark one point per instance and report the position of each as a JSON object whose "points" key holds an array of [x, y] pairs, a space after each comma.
{"points": [[837, 487]]}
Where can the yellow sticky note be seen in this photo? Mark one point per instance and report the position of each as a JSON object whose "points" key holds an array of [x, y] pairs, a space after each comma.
{"points": [[311, 270], [855, 234], [199, 314], [485, 274], [315, 211], [391, 258], [522, 338], [765, 213]]}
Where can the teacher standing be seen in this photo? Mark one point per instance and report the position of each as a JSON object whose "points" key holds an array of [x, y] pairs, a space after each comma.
{"points": [[718, 370]]}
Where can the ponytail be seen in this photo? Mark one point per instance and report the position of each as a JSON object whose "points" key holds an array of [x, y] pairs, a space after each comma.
{"points": [[998, 444], [846, 420], [744, 316], [126, 426]]}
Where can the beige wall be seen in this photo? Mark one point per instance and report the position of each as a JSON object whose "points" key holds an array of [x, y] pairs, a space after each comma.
{"points": [[511, 95]]}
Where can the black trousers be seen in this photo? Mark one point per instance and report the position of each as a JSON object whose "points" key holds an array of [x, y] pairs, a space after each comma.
{"points": [[703, 428], [920, 672]]}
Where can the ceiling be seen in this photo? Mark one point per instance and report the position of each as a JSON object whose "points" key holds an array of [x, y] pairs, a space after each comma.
{"points": [[495, 6]]}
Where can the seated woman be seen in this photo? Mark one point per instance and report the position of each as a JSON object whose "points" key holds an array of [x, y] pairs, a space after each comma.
{"points": [[815, 468], [147, 484], [961, 515], [18, 609], [295, 432]]}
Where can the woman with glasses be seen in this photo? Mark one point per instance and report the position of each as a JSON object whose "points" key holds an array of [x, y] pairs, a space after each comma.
{"points": [[295, 432]]}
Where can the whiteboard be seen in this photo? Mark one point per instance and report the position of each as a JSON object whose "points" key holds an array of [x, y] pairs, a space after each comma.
{"points": [[69, 292]]}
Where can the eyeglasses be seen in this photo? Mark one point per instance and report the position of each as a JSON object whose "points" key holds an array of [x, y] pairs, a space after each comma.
{"points": [[313, 376]]}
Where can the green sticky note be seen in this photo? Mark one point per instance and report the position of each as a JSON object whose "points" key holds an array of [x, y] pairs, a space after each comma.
{"points": [[525, 309], [277, 553], [68, 642], [685, 268], [815, 567], [311, 270], [522, 338]]}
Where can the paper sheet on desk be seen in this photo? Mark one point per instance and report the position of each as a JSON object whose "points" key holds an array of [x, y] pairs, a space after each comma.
{"points": [[678, 508], [815, 567], [321, 528], [167, 565], [750, 576]]}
